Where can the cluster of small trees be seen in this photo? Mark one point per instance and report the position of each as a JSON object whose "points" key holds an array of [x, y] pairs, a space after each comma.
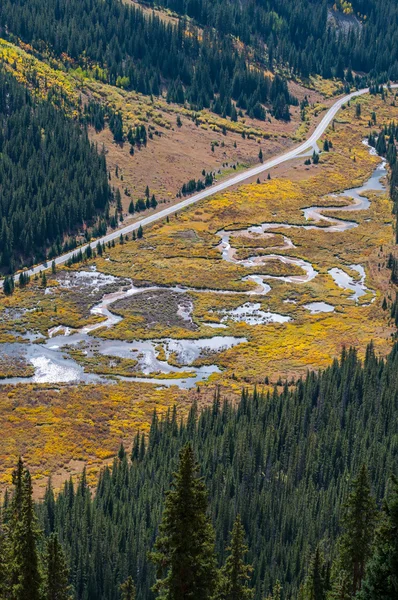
{"points": [[90, 252], [194, 185], [29, 569], [141, 204], [385, 143]]}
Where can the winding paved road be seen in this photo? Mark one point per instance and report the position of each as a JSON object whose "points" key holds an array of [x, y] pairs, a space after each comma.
{"points": [[266, 166]]}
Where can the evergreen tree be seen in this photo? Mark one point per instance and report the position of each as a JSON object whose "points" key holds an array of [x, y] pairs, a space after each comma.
{"points": [[127, 589], [235, 574], [358, 524], [184, 550], [24, 573], [317, 582], [381, 580], [8, 285], [276, 591], [3, 560], [56, 584]]}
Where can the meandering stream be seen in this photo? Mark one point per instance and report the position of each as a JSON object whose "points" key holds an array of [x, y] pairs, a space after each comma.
{"points": [[53, 364]]}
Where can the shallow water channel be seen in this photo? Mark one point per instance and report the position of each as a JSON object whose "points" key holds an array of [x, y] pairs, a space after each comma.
{"points": [[53, 364]]}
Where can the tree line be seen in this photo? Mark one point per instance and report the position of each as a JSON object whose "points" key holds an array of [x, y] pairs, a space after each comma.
{"points": [[52, 179]]}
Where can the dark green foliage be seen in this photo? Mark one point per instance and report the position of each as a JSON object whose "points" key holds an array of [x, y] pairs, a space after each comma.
{"points": [[317, 584], [355, 544], [284, 461], [140, 205], [56, 585], [184, 552], [298, 32], [23, 580], [142, 53], [381, 147], [196, 186], [128, 589], [138, 136], [235, 574], [24, 279], [116, 126], [394, 309], [381, 581], [52, 179], [95, 113], [8, 285]]}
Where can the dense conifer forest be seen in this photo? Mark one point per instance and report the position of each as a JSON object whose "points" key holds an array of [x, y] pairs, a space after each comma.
{"points": [[52, 180], [126, 48], [288, 464], [299, 32], [143, 53]]}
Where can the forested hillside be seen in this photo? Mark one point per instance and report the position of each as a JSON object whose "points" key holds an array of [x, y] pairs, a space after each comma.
{"points": [[120, 44], [298, 32], [125, 47], [52, 180], [285, 461]]}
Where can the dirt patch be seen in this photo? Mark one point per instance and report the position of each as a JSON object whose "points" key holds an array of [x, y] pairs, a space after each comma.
{"points": [[14, 366], [176, 157], [161, 307], [86, 288]]}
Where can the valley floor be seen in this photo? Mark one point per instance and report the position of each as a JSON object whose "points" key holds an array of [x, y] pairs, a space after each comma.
{"points": [[248, 288]]}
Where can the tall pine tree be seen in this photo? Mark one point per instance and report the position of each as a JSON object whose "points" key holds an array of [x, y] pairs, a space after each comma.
{"points": [[381, 580], [57, 574], [317, 582], [24, 573], [184, 551], [355, 544], [235, 575], [127, 589]]}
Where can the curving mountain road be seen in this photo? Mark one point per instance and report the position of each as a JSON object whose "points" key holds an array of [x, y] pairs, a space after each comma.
{"points": [[266, 166]]}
